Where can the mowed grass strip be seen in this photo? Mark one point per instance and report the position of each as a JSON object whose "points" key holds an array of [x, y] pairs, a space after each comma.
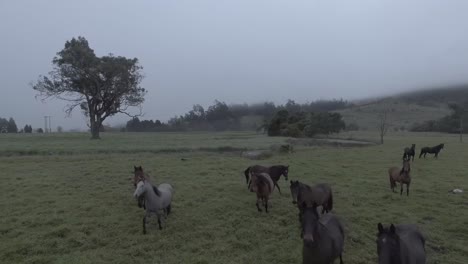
{"points": [[79, 208]]}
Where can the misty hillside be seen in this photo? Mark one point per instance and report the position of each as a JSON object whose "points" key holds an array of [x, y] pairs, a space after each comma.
{"points": [[406, 109]]}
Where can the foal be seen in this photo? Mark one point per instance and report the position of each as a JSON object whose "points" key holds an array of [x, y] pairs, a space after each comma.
{"points": [[400, 175], [263, 186]]}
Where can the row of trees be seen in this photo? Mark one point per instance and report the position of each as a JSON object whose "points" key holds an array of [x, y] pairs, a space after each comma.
{"points": [[9, 126], [220, 116], [303, 124]]}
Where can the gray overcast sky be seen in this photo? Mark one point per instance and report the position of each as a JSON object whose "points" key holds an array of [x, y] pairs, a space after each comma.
{"points": [[236, 51]]}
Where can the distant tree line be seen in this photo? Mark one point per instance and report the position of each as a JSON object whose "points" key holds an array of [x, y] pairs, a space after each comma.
{"points": [[304, 124], [8, 125], [221, 117], [452, 123]]}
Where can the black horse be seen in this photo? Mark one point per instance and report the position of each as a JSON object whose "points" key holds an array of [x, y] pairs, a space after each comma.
{"points": [[403, 244], [275, 173], [431, 150], [409, 152]]}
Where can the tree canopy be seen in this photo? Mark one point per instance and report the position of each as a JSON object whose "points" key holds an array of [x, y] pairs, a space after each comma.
{"points": [[99, 86]]}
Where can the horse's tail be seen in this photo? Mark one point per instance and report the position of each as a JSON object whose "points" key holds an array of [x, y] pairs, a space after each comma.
{"points": [[392, 182], [330, 202], [246, 173]]}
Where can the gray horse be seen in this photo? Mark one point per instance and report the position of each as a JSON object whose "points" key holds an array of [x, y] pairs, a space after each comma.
{"points": [[157, 200], [402, 244]]}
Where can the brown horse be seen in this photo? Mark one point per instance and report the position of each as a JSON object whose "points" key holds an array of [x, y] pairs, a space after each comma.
{"points": [[275, 173], [400, 175], [320, 194], [263, 186]]}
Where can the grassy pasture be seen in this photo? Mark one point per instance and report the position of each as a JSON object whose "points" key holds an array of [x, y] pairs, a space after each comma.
{"points": [[67, 199]]}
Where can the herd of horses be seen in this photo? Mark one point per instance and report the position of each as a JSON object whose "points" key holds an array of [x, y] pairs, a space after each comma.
{"points": [[322, 233]]}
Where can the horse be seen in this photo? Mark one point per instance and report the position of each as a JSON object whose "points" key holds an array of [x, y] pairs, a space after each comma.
{"points": [[138, 176], [321, 194], [402, 176], [275, 173], [263, 186], [431, 150], [403, 244], [157, 199], [323, 237], [409, 152]]}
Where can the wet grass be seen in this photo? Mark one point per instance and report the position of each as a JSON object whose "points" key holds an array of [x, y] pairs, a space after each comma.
{"points": [[78, 208]]}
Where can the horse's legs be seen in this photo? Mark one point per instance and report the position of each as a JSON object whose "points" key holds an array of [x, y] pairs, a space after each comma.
{"points": [[401, 189], [279, 190], [266, 204], [407, 189], [144, 224], [258, 207], [168, 209], [159, 220], [341, 259]]}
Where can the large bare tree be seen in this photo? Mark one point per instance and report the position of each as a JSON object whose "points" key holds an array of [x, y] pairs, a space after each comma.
{"points": [[99, 86]]}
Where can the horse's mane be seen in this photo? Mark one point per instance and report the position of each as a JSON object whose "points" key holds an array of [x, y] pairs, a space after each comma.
{"points": [[156, 190], [303, 186]]}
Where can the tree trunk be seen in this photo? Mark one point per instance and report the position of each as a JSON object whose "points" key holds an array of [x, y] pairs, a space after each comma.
{"points": [[95, 125], [381, 138]]}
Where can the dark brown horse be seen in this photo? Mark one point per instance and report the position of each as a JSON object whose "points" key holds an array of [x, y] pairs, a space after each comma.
{"points": [[401, 244], [402, 176], [431, 150], [262, 185], [275, 173], [409, 152], [320, 194], [323, 237]]}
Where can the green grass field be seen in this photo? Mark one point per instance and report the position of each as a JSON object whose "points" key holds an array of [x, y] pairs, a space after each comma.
{"points": [[67, 199]]}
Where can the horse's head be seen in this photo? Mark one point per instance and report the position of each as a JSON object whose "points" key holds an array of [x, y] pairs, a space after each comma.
{"points": [[139, 175], [406, 167], [285, 172], [413, 146], [294, 187], [140, 189], [441, 146], [309, 223], [388, 245]]}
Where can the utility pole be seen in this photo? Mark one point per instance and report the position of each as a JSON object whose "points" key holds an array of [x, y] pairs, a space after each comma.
{"points": [[45, 124], [50, 124]]}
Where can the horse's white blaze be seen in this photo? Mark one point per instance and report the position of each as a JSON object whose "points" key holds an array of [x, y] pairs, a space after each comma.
{"points": [[139, 189]]}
